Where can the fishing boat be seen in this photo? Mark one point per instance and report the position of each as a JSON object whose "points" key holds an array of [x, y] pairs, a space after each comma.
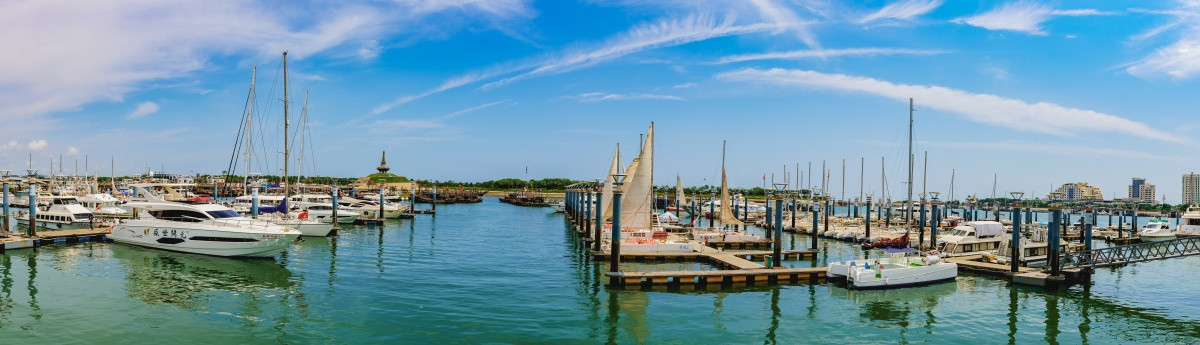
{"points": [[209, 229], [1156, 230], [904, 267]]}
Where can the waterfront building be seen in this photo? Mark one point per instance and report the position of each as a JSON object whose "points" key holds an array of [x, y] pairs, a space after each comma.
{"points": [[1077, 191], [1191, 188], [1140, 191]]}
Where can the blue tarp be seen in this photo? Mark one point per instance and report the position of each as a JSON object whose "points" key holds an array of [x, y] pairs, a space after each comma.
{"points": [[282, 208], [891, 250]]}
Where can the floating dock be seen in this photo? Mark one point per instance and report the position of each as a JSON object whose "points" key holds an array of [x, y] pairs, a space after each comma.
{"points": [[22, 241]]}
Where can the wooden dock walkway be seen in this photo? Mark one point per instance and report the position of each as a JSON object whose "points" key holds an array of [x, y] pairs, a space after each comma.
{"points": [[21, 241], [719, 278]]}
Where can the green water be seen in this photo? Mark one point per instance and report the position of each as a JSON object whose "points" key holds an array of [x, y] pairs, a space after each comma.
{"points": [[496, 273]]}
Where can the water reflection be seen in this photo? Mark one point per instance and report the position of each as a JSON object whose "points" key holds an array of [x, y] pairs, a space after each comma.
{"points": [[894, 307], [774, 317], [158, 277]]}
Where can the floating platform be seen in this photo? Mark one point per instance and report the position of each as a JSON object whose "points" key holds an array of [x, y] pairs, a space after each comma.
{"points": [[368, 221], [424, 211], [22, 241], [719, 278], [749, 244]]}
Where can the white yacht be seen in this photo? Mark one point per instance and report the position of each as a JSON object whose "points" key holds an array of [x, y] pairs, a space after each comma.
{"points": [[320, 207], [104, 205], [56, 213], [905, 267], [282, 214], [1156, 230], [971, 238], [370, 209], [208, 229], [1190, 224]]}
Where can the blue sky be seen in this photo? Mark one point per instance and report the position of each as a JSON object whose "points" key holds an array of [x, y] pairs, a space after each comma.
{"points": [[1039, 93]]}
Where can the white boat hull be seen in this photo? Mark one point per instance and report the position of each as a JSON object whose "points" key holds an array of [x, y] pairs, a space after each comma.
{"points": [[201, 239], [895, 277]]}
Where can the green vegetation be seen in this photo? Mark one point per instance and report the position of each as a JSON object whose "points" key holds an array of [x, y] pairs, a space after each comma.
{"points": [[387, 177]]}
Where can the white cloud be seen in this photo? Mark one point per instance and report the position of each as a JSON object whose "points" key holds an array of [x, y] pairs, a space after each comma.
{"points": [[1000, 73], [1178, 60], [12, 145], [602, 96], [902, 10], [828, 53], [36, 145], [72, 151], [143, 109], [646, 36], [1023, 16], [1063, 149], [684, 86], [987, 109], [131, 44]]}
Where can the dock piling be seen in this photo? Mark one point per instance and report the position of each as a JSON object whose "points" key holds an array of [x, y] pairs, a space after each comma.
{"points": [[6, 210], [1015, 242], [778, 229], [614, 264], [868, 214], [936, 219], [333, 195], [1052, 237], [32, 208], [596, 234], [254, 203], [1089, 215]]}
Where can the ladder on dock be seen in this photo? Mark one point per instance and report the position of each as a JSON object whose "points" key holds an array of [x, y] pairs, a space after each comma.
{"points": [[1128, 254]]}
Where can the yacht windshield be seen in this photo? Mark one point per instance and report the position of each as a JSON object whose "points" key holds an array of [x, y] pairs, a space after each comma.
{"points": [[223, 214]]}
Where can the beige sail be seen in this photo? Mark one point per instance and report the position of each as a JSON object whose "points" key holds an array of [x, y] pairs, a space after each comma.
{"points": [[727, 205], [637, 207], [630, 171], [607, 192], [678, 195]]}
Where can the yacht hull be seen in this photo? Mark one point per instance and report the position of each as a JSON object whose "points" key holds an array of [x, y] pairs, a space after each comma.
{"points": [[201, 239]]}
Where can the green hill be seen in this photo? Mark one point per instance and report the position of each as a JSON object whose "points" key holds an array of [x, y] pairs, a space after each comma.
{"points": [[387, 178]]}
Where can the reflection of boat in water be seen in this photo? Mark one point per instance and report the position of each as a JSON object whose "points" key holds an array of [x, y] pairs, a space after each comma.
{"points": [[918, 293], [179, 278]]}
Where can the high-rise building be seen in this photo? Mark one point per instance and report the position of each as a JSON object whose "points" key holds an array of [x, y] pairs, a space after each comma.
{"points": [[1140, 191], [1191, 188], [1078, 191]]}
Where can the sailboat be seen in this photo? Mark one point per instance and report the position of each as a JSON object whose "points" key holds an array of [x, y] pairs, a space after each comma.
{"points": [[731, 229], [638, 231], [279, 214], [679, 208]]}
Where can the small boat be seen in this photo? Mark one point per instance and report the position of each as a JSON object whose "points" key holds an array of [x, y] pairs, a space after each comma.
{"points": [[904, 267], [1157, 230], [970, 238], [1190, 224], [559, 206]]}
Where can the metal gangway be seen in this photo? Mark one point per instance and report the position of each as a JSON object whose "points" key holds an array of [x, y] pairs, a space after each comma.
{"points": [[1141, 252]]}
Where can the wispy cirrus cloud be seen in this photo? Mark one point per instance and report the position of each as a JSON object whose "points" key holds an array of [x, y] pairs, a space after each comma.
{"points": [[642, 37], [828, 53], [902, 10], [140, 43], [1064, 149], [1041, 117], [604, 96], [1023, 16], [1181, 58]]}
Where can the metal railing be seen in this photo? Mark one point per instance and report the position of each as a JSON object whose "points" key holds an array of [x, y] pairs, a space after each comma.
{"points": [[1128, 254]]}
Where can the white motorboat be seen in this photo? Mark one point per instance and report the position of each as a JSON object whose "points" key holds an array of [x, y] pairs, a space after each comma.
{"points": [[320, 208], [1157, 230], [972, 238], [370, 209], [208, 229], [905, 267], [280, 215], [104, 205], [56, 213], [1190, 224], [559, 206]]}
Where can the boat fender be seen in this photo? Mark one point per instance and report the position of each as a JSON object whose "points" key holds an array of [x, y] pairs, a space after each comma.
{"points": [[932, 260]]}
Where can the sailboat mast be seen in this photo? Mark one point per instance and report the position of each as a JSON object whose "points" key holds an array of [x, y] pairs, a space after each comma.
{"points": [[249, 121], [287, 155], [909, 216], [303, 126]]}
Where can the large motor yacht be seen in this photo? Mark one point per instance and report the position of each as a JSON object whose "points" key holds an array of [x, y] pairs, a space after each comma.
{"points": [[208, 229]]}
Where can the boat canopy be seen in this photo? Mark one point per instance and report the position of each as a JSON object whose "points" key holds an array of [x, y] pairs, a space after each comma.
{"points": [[891, 250], [987, 228], [281, 208]]}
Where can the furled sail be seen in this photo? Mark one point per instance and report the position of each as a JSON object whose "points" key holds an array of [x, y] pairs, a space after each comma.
{"points": [[637, 207], [727, 205], [607, 193]]}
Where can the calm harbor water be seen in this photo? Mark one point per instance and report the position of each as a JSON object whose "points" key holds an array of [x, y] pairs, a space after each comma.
{"points": [[495, 273]]}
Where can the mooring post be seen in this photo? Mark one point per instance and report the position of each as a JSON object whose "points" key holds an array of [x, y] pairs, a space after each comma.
{"points": [[868, 214], [1015, 241], [795, 209], [778, 229], [921, 225], [381, 200], [712, 213], [734, 208], [254, 203], [1133, 224], [887, 223], [816, 216], [1052, 238], [587, 213], [935, 219], [333, 196], [1089, 218], [6, 211], [598, 227], [412, 201], [433, 201], [770, 216], [828, 211], [615, 254], [746, 208], [32, 208]]}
